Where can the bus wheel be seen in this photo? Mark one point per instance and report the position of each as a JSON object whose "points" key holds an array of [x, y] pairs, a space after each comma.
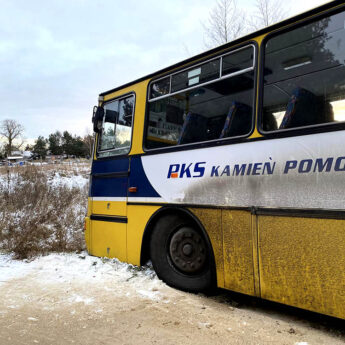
{"points": [[181, 255]]}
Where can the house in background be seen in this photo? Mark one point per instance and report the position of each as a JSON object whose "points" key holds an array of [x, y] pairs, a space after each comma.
{"points": [[27, 155], [19, 157]]}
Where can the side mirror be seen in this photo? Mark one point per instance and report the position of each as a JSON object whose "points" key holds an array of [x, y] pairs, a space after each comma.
{"points": [[97, 118]]}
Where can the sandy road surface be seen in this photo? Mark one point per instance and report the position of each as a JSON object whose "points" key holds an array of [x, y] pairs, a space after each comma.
{"points": [[71, 299]]}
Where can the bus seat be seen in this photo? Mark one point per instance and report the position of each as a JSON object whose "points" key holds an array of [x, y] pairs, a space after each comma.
{"points": [[238, 120], [194, 129], [215, 126], [302, 110]]}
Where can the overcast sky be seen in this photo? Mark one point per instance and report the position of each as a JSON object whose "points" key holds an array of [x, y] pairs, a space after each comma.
{"points": [[56, 56]]}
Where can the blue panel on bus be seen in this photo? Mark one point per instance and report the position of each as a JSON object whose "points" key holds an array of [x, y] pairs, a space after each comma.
{"points": [[109, 166], [105, 185], [139, 179], [109, 187]]}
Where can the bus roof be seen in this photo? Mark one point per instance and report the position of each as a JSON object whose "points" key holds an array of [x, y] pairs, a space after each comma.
{"points": [[252, 35]]}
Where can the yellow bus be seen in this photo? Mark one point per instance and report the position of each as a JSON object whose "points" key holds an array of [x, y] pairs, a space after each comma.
{"points": [[228, 169]]}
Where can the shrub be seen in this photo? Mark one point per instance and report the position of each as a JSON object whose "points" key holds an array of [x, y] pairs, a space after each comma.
{"points": [[40, 212]]}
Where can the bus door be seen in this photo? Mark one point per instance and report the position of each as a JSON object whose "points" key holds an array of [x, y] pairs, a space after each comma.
{"points": [[109, 182]]}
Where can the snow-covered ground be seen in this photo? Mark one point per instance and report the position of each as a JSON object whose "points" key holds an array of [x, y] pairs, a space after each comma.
{"points": [[68, 268], [73, 181], [79, 299], [73, 177]]}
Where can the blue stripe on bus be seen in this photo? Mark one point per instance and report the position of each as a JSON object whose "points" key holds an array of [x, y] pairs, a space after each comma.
{"points": [[109, 187], [138, 178], [118, 186], [109, 166]]}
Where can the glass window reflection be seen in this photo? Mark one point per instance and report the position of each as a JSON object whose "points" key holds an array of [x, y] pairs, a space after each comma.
{"points": [[304, 75], [115, 138]]}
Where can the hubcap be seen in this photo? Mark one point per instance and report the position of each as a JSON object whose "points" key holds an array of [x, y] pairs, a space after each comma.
{"points": [[188, 250]]}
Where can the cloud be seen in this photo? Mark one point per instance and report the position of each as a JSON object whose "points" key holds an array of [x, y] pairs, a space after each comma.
{"points": [[56, 57]]}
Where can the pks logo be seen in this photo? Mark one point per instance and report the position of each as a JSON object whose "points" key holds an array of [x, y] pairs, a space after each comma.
{"points": [[186, 170]]}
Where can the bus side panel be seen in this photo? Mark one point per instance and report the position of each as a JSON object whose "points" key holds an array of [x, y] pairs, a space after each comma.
{"points": [[87, 234], [238, 251], [108, 239], [138, 216], [87, 226], [302, 262], [109, 207], [211, 221]]}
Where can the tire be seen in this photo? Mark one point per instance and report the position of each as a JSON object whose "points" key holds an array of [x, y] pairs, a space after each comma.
{"points": [[181, 255]]}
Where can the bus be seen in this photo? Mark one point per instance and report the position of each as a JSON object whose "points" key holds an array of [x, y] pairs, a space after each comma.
{"points": [[228, 169]]}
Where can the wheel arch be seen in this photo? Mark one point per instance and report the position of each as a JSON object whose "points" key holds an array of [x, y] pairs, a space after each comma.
{"points": [[173, 210]]}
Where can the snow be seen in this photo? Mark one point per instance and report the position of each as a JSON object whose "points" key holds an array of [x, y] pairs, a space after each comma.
{"points": [[32, 319], [74, 181], [80, 289], [108, 274], [11, 269], [153, 295], [56, 180], [81, 299]]}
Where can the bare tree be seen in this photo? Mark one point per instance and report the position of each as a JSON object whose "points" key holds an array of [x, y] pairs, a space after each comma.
{"points": [[267, 12], [225, 23], [11, 131], [88, 140]]}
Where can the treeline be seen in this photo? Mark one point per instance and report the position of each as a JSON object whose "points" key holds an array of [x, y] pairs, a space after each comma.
{"points": [[62, 144]]}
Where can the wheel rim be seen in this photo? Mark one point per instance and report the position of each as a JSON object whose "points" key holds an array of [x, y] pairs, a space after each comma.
{"points": [[188, 250]]}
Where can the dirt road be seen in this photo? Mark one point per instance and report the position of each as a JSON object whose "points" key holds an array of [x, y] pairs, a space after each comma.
{"points": [[71, 299]]}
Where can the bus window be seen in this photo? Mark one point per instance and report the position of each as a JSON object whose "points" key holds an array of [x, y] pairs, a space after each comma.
{"points": [[210, 101], [115, 138], [304, 76], [200, 74], [160, 88], [107, 138], [240, 61]]}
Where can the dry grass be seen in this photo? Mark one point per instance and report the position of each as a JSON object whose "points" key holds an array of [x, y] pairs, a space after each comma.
{"points": [[39, 211], [64, 167]]}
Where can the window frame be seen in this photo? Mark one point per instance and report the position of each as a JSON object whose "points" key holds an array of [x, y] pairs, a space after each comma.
{"points": [[297, 131], [213, 142], [221, 77], [99, 136]]}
